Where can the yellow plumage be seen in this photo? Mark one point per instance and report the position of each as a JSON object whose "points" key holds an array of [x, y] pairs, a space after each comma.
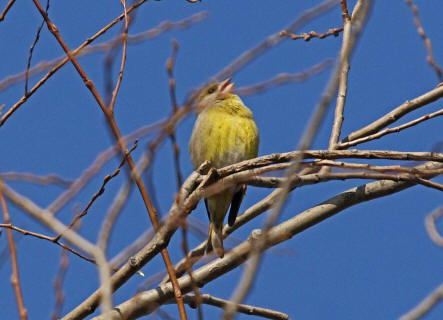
{"points": [[224, 133]]}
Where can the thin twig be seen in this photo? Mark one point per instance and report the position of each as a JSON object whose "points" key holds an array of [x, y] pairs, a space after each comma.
{"points": [[124, 41], [33, 178], [197, 301], [306, 36], [6, 9], [344, 10], [343, 78], [58, 285], [100, 191], [58, 282], [31, 49], [283, 78], [169, 69], [112, 214], [426, 40], [15, 281], [43, 237], [436, 295], [274, 39], [397, 113], [430, 184], [367, 167], [425, 305], [191, 300], [4, 253], [345, 145], [431, 229]]}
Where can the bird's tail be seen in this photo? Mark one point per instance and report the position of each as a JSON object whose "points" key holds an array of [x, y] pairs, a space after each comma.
{"points": [[215, 240]]}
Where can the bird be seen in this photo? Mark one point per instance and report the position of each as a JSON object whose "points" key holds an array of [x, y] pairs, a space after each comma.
{"points": [[224, 133]]}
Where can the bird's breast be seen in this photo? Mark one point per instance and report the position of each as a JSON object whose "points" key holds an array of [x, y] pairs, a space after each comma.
{"points": [[223, 139]]}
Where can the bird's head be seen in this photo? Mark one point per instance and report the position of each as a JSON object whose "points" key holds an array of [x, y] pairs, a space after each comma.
{"points": [[213, 93]]}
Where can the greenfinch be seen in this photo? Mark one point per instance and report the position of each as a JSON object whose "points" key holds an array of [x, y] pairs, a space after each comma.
{"points": [[224, 133]]}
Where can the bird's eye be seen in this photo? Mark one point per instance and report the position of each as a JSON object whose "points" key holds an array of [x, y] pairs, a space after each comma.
{"points": [[211, 90]]}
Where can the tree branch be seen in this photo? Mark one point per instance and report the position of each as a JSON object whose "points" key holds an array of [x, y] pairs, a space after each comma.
{"points": [[146, 302]]}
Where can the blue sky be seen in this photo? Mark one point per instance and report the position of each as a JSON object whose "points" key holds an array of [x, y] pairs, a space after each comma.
{"points": [[371, 261]]}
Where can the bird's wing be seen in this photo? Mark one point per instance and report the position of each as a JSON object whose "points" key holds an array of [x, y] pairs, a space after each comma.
{"points": [[235, 204]]}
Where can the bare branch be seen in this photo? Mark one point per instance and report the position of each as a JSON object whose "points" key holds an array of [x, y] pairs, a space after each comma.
{"points": [[397, 113], [33, 178], [343, 76], [15, 280], [283, 78], [329, 155], [430, 184], [43, 237], [190, 299], [345, 145], [274, 39], [101, 190], [426, 41], [6, 9], [124, 41], [58, 285], [425, 305], [31, 49], [169, 69], [431, 228], [312, 34]]}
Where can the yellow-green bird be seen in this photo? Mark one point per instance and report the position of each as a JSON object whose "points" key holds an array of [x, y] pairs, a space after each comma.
{"points": [[224, 133]]}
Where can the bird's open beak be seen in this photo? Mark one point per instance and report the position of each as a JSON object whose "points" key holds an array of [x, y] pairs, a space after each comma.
{"points": [[226, 86]]}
